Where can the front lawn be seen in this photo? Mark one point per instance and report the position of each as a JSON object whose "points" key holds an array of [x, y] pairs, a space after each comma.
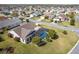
{"points": [[47, 20], [68, 24], [35, 18]]}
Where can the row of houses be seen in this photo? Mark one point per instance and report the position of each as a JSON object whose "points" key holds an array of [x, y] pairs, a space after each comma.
{"points": [[10, 23]]}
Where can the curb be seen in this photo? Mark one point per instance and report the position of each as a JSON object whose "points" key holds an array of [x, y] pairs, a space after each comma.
{"points": [[73, 47]]}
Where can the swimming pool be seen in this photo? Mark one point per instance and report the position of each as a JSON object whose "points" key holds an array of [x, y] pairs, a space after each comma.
{"points": [[42, 34]]}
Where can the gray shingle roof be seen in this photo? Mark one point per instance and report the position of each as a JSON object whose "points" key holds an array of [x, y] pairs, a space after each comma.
{"points": [[7, 22], [25, 29]]}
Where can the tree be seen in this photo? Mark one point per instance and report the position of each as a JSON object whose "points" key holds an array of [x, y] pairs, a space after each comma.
{"points": [[51, 20], [56, 21], [14, 14], [27, 20], [53, 34], [72, 17], [46, 17], [72, 22], [35, 39], [7, 13]]}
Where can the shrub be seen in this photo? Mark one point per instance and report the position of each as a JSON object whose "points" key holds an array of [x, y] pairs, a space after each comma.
{"points": [[1, 49], [17, 39], [55, 21], [54, 36], [1, 32], [5, 29], [49, 40], [9, 50], [51, 20], [64, 32], [10, 35], [1, 39], [46, 17]]}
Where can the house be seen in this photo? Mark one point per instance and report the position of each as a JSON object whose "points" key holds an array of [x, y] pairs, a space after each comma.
{"points": [[49, 14], [5, 11], [26, 32], [63, 18], [14, 22], [42, 17], [56, 20], [35, 13]]}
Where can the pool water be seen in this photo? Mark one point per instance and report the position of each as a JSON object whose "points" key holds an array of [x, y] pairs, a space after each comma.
{"points": [[43, 34]]}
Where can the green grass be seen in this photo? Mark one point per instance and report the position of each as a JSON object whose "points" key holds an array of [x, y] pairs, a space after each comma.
{"points": [[62, 45], [68, 24], [77, 24], [47, 20], [35, 18]]}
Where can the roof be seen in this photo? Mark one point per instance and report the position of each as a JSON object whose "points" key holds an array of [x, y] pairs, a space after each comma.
{"points": [[40, 30], [7, 22], [24, 29]]}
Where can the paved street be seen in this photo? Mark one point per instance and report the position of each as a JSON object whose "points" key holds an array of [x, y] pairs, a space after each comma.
{"points": [[76, 49]]}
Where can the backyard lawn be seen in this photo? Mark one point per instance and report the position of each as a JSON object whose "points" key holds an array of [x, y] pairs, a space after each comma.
{"points": [[61, 45]]}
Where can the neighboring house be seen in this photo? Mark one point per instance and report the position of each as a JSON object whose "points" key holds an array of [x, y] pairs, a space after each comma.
{"points": [[5, 11], [36, 13], [26, 32], [50, 15], [56, 20], [77, 11], [31, 15], [42, 17], [3, 17], [10, 23], [63, 18]]}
